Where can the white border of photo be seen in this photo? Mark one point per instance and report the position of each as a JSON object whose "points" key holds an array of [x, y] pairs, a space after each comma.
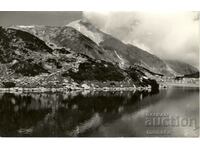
{"points": [[99, 143]]}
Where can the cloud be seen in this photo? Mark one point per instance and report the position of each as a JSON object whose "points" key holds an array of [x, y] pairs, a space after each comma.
{"points": [[169, 35]]}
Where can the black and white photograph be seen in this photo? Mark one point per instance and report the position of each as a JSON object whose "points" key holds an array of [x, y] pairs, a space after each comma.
{"points": [[99, 74]]}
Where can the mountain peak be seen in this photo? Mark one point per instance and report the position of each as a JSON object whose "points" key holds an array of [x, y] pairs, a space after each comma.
{"points": [[88, 29], [25, 26]]}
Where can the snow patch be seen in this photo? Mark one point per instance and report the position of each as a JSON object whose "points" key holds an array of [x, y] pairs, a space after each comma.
{"points": [[122, 62], [22, 26]]}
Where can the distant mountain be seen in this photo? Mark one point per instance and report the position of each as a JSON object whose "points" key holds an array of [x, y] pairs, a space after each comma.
{"points": [[193, 75], [181, 68], [27, 61]]}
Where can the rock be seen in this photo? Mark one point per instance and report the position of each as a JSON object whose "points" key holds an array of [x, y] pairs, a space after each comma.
{"points": [[85, 86]]}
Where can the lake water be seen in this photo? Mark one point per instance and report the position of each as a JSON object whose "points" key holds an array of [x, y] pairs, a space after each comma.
{"points": [[170, 112]]}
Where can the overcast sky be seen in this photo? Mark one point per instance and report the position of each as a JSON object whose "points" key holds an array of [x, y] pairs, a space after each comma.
{"points": [[51, 18], [169, 35]]}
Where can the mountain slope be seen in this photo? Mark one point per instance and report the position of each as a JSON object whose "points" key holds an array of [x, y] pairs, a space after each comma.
{"points": [[26, 61], [181, 68], [17, 50], [88, 30], [13, 42], [193, 75], [104, 47], [130, 54], [125, 53], [24, 55], [83, 37], [68, 38]]}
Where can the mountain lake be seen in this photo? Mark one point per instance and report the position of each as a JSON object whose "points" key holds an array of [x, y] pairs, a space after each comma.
{"points": [[172, 112]]}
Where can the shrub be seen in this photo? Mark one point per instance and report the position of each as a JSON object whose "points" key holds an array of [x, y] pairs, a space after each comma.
{"points": [[96, 71], [9, 84], [28, 68]]}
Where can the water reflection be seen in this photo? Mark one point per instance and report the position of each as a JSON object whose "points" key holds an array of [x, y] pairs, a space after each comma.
{"points": [[176, 102], [83, 113], [70, 114]]}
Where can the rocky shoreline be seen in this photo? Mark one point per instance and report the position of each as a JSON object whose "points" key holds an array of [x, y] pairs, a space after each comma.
{"points": [[44, 90], [182, 85]]}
